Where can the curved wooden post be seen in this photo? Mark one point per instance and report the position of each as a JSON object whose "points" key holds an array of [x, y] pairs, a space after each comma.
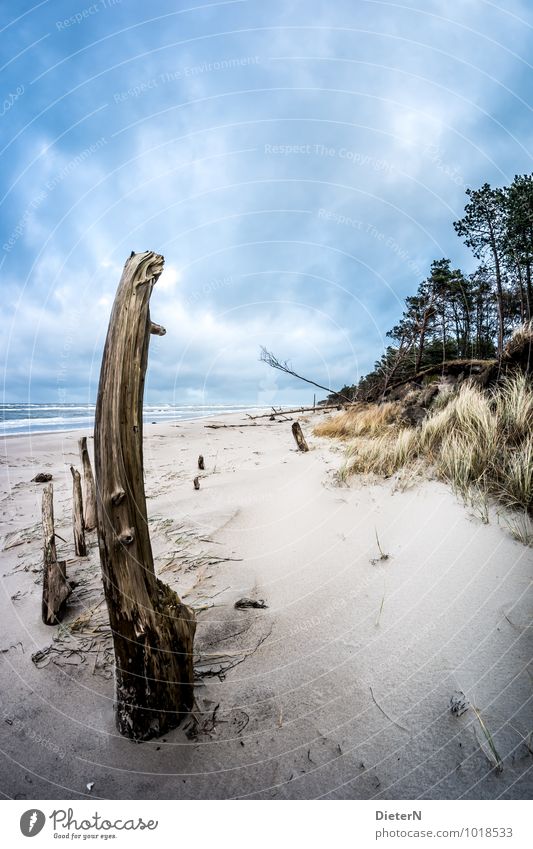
{"points": [[153, 631], [78, 524]]}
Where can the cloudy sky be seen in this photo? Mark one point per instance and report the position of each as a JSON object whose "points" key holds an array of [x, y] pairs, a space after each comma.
{"points": [[299, 164]]}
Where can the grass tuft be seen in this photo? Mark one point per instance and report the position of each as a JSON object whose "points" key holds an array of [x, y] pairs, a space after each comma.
{"points": [[361, 420]]}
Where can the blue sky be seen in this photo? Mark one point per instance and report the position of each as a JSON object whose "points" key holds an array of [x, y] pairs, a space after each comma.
{"points": [[299, 165]]}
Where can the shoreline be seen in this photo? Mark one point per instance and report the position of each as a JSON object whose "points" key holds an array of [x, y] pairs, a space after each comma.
{"points": [[339, 688], [90, 427]]}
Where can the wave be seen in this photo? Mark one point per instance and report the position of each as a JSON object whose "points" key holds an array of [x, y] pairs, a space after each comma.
{"points": [[43, 418]]}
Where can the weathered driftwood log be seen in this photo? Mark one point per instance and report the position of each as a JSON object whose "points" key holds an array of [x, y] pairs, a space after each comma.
{"points": [[89, 492], [201, 465], [56, 588], [78, 524], [153, 631], [299, 437], [218, 426], [196, 483]]}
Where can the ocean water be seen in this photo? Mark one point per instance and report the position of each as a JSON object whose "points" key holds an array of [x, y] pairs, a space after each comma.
{"points": [[44, 418]]}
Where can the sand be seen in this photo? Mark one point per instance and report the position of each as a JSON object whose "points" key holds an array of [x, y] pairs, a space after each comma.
{"points": [[340, 688]]}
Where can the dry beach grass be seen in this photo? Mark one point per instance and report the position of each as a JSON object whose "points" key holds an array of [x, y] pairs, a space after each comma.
{"points": [[479, 441]]}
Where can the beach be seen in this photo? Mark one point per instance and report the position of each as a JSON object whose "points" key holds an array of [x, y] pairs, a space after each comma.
{"points": [[386, 603]]}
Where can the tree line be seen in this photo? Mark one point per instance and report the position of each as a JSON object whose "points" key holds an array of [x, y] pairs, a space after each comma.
{"points": [[456, 316]]}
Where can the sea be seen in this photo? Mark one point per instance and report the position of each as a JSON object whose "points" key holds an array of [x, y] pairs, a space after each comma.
{"points": [[45, 418]]}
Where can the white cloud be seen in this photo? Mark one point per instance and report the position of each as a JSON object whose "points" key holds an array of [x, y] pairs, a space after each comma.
{"points": [[408, 95]]}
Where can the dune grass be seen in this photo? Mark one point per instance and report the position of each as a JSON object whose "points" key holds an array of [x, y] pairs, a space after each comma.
{"points": [[361, 420], [479, 441]]}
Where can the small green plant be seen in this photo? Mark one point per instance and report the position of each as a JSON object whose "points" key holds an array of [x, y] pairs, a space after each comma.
{"points": [[520, 527]]}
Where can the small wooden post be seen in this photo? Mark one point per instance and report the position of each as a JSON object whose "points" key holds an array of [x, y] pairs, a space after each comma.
{"points": [[201, 462], [56, 588], [299, 437], [153, 631], [196, 483], [89, 492], [77, 514]]}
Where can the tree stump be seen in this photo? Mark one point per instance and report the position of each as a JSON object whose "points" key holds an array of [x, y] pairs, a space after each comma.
{"points": [[299, 437], [153, 631], [56, 588], [89, 493], [78, 525]]}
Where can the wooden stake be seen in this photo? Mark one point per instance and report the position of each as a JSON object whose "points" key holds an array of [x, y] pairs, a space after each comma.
{"points": [[89, 492], [56, 588], [77, 514], [196, 483], [153, 631], [299, 437], [201, 463]]}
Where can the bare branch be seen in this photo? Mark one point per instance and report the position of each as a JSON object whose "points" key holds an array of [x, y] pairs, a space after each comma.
{"points": [[271, 360]]}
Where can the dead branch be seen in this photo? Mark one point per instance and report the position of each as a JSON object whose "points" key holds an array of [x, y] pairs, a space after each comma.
{"points": [[271, 360]]}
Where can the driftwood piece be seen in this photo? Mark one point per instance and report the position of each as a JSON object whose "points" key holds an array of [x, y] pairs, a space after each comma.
{"points": [[201, 465], [89, 492], [299, 437], [218, 426], [42, 477], [56, 588], [153, 631], [196, 483], [78, 524]]}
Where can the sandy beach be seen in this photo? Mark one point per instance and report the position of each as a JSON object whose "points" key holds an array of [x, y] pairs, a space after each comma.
{"points": [[339, 688]]}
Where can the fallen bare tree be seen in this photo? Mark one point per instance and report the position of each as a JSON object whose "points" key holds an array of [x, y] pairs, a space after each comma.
{"points": [[153, 631], [271, 360], [281, 412], [447, 367]]}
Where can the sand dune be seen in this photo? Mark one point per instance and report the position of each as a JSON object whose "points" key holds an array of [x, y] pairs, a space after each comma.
{"points": [[340, 688]]}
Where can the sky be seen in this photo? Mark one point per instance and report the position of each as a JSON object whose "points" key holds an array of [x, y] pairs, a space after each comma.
{"points": [[299, 165]]}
